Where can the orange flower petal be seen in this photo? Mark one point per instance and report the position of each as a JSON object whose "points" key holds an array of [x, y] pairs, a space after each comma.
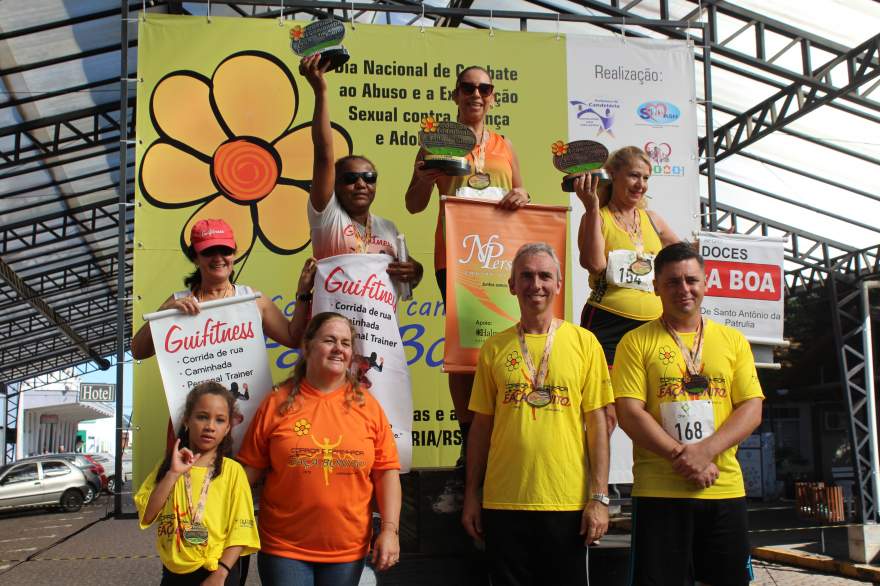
{"points": [[182, 109], [297, 151], [237, 216], [282, 219], [255, 96], [174, 177]]}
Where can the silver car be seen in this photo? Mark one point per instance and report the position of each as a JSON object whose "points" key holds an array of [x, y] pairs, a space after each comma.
{"points": [[45, 482]]}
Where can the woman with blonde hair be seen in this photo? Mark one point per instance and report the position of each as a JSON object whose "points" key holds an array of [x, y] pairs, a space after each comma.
{"points": [[618, 239], [323, 446]]}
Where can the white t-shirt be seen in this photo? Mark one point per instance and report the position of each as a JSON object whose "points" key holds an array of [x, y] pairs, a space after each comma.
{"points": [[333, 232], [240, 290]]}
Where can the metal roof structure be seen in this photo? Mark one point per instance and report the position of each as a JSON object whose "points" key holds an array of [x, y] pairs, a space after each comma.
{"points": [[794, 136]]}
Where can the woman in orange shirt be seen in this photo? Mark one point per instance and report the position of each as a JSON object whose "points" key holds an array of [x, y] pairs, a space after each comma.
{"points": [[323, 446], [495, 176]]}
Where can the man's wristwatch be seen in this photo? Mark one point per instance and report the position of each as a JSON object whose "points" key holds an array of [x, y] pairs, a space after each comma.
{"points": [[602, 498]]}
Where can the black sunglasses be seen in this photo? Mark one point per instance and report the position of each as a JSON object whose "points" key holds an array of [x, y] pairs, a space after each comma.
{"points": [[221, 250], [351, 177], [485, 89]]}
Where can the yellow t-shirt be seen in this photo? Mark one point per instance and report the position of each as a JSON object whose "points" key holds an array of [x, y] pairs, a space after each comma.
{"points": [[537, 456], [229, 517], [648, 366], [624, 301]]}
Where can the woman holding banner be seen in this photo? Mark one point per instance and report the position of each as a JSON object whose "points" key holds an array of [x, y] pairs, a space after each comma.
{"points": [[342, 192], [212, 250], [495, 177], [618, 239], [324, 447]]}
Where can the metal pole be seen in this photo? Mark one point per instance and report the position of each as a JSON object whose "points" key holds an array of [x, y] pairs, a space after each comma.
{"points": [[867, 341], [120, 254], [710, 125]]}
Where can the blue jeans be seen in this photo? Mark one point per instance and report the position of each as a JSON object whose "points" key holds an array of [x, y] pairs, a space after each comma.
{"points": [[279, 571]]}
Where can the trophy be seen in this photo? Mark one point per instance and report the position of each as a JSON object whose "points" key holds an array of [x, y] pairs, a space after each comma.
{"points": [[578, 157], [323, 37], [448, 145]]}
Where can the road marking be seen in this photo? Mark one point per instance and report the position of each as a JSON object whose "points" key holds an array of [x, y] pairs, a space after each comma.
{"points": [[28, 538], [46, 527], [23, 549]]}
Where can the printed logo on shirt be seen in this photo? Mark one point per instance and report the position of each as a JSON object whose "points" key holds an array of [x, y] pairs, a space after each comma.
{"points": [[302, 426], [514, 361], [327, 456], [517, 394], [376, 241], [672, 387], [667, 355]]}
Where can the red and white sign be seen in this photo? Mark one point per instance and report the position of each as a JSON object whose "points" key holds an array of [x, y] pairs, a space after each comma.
{"points": [[744, 286], [223, 343]]}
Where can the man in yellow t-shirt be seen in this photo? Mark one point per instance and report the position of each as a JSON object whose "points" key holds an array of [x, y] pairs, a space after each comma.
{"points": [[538, 385], [687, 393]]}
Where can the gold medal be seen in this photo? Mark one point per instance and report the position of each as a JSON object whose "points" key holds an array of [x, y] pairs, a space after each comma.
{"points": [[479, 180], [196, 534], [640, 267]]}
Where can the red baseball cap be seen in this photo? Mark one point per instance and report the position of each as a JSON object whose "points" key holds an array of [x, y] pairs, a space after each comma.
{"points": [[208, 233]]}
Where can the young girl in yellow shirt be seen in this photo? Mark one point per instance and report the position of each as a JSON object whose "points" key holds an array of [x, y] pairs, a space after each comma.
{"points": [[200, 497]]}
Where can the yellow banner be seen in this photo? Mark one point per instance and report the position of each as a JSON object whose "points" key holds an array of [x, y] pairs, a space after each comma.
{"points": [[213, 94]]}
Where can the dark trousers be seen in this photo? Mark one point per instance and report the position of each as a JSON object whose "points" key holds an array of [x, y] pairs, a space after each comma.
{"points": [[535, 548], [169, 578]]}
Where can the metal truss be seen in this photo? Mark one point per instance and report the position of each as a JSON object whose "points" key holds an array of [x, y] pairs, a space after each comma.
{"points": [[64, 133], [10, 418], [851, 319], [795, 101]]}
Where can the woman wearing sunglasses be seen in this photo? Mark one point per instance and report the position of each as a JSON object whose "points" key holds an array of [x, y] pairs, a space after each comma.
{"points": [[212, 251], [342, 193], [495, 176]]}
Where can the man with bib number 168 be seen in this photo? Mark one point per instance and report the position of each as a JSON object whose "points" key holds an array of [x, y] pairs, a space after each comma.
{"points": [[687, 393]]}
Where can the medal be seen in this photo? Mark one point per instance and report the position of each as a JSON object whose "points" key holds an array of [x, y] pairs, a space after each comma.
{"points": [[196, 533], [540, 396], [479, 180], [694, 383], [640, 267]]}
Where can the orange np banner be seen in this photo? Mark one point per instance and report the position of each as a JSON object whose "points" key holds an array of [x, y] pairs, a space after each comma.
{"points": [[481, 241]]}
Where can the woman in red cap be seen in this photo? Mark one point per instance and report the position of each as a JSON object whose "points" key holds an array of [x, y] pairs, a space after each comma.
{"points": [[212, 249]]}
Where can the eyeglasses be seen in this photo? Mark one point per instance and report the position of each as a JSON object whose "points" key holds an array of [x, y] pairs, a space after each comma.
{"points": [[351, 177], [214, 250], [467, 88]]}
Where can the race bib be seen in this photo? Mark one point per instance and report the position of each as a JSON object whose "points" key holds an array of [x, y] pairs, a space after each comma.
{"points": [[626, 269], [688, 421], [488, 194]]}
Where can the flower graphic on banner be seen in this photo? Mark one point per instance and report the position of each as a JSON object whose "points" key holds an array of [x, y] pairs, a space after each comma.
{"points": [[227, 145], [667, 355], [302, 427]]}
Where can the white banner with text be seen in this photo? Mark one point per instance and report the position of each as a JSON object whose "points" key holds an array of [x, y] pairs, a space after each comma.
{"points": [[358, 287], [223, 343]]}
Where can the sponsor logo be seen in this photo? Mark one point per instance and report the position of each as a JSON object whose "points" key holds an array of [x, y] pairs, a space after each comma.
{"points": [[660, 154], [742, 280], [658, 113], [598, 114], [487, 254]]}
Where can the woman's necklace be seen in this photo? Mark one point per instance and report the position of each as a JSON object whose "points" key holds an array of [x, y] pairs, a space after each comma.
{"points": [[202, 293]]}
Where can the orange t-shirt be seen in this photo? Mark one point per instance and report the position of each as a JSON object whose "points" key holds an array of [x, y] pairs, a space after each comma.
{"points": [[318, 456], [499, 167]]}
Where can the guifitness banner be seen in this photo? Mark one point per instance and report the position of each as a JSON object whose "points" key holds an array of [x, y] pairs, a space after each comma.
{"points": [[211, 91], [222, 343], [358, 287], [481, 241]]}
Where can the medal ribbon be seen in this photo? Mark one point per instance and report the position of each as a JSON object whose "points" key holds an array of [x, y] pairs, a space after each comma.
{"points": [[363, 242], [196, 515], [634, 231], [693, 357], [538, 375]]}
